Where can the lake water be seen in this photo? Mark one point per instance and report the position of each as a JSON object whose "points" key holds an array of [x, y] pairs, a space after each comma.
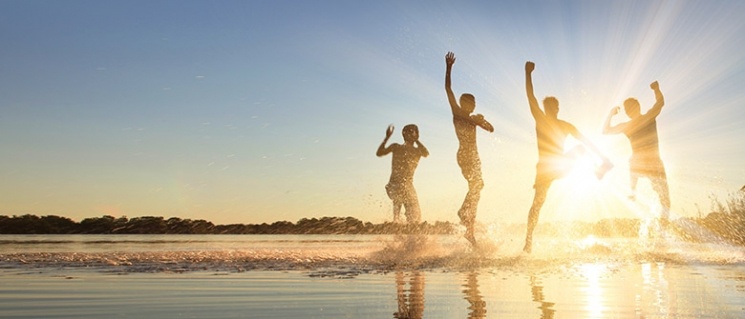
{"points": [[366, 276]]}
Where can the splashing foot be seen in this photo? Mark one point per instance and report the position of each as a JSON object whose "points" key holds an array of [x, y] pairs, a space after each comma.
{"points": [[528, 247], [470, 237]]}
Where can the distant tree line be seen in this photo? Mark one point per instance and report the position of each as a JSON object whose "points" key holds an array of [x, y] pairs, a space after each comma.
{"points": [[726, 223], [51, 224]]}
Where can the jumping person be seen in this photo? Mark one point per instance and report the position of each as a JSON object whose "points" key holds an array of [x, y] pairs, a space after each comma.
{"points": [[468, 155], [645, 160], [400, 187], [553, 162]]}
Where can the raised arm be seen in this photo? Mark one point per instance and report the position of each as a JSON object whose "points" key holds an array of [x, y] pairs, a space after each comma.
{"points": [[586, 141], [659, 100], [479, 120], [382, 149], [532, 101], [422, 149], [610, 129], [449, 61]]}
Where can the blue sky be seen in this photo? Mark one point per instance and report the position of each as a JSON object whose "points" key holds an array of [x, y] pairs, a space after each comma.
{"points": [[258, 111]]}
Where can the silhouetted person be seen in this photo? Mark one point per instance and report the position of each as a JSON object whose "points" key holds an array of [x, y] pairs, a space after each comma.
{"points": [[468, 155], [645, 151], [553, 163], [400, 187]]}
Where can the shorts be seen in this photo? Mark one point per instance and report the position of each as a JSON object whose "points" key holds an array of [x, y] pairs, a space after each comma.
{"points": [[650, 167], [401, 192], [547, 171], [470, 166]]}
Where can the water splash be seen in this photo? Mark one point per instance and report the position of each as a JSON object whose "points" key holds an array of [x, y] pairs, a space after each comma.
{"points": [[346, 257]]}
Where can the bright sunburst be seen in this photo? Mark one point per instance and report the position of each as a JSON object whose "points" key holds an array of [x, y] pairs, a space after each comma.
{"points": [[583, 176]]}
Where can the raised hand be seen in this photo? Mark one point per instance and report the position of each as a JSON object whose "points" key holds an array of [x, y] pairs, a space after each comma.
{"points": [[615, 110], [655, 86], [529, 66], [389, 131], [450, 58]]}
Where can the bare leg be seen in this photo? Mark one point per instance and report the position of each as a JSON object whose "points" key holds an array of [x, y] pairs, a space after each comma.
{"points": [[535, 209], [396, 212], [467, 211], [659, 184], [633, 180], [394, 193], [413, 212]]}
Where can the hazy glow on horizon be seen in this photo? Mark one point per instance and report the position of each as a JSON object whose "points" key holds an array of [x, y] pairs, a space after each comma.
{"points": [[236, 113]]}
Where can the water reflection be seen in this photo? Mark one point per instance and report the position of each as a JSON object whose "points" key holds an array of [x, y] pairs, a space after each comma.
{"points": [[477, 305], [655, 289], [593, 290], [536, 289], [411, 300]]}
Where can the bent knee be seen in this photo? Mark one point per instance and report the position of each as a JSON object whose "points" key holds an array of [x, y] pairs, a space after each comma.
{"points": [[476, 184]]}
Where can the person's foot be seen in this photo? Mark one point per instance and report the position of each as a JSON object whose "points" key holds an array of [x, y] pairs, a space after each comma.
{"points": [[603, 168], [527, 249], [470, 237], [664, 224]]}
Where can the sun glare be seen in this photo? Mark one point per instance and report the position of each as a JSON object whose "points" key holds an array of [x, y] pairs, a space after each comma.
{"points": [[582, 176], [588, 242], [593, 291]]}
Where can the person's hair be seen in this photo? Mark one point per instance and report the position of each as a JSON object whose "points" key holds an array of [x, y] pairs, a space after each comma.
{"points": [[551, 106], [467, 102], [467, 97], [408, 130], [550, 101], [630, 103]]}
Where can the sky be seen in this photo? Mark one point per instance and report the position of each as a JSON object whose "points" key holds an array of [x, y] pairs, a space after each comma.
{"points": [[263, 111]]}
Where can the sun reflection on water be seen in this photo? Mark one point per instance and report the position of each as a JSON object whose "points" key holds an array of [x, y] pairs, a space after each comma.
{"points": [[595, 295]]}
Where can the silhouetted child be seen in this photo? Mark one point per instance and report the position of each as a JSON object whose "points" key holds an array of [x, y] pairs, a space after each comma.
{"points": [[645, 160], [468, 155], [553, 162], [400, 187]]}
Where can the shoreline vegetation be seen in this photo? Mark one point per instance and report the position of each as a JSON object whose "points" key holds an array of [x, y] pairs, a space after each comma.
{"points": [[726, 223], [716, 226]]}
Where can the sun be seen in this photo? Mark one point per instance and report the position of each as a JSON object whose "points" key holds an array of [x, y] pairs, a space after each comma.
{"points": [[582, 176], [581, 194]]}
